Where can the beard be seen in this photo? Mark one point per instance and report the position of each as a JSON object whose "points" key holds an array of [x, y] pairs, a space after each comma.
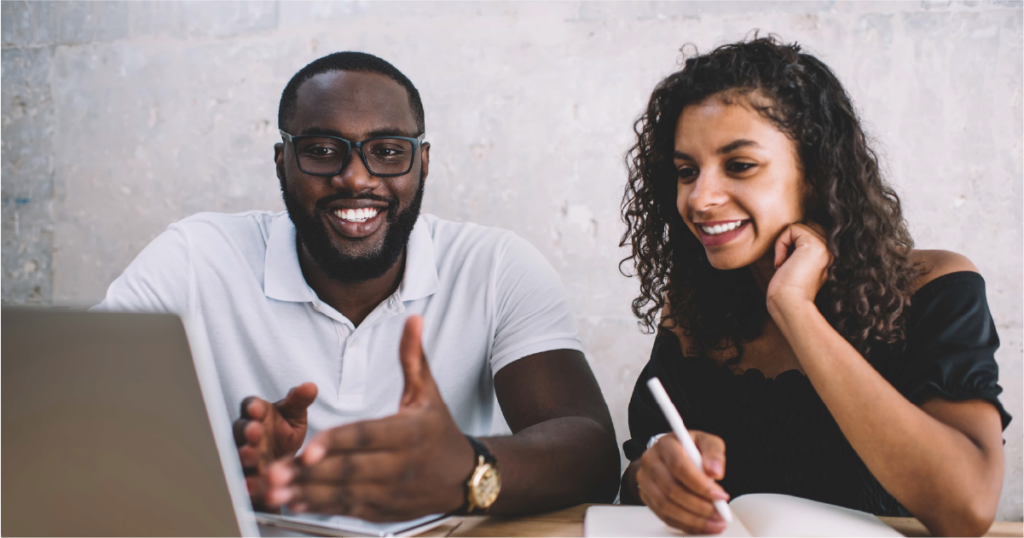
{"points": [[311, 231]]}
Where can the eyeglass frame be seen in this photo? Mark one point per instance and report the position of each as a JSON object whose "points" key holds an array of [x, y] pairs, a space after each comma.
{"points": [[417, 143]]}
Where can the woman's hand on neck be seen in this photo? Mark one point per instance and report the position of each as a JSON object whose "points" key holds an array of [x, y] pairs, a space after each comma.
{"points": [[801, 261]]}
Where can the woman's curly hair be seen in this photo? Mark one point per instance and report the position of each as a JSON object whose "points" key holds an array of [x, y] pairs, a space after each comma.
{"points": [[870, 281]]}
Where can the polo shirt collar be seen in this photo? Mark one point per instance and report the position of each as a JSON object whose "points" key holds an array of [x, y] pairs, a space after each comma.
{"points": [[282, 275], [420, 278]]}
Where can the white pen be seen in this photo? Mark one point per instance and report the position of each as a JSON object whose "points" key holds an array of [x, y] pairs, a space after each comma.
{"points": [[676, 421]]}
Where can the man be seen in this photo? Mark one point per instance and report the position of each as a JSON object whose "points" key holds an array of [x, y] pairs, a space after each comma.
{"points": [[316, 300]]}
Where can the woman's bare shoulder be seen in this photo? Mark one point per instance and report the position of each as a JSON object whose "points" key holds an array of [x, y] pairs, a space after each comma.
{"points": [[932, 264]]}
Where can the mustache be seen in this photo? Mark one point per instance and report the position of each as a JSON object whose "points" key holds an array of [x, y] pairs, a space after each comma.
{"points": [[321, 204]]}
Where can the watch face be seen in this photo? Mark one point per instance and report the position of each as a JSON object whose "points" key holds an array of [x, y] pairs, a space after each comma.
{"points": [[486, 486]]}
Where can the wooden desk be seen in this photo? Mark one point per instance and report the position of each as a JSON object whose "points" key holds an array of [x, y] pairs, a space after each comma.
{"points": [[569, 522]]}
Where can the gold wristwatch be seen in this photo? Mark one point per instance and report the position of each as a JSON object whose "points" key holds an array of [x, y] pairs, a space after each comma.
{"points": [[484, 482]]}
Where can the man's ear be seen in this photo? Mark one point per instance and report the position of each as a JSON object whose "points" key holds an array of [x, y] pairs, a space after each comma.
{"points": [[279, 160], [425, 158]]}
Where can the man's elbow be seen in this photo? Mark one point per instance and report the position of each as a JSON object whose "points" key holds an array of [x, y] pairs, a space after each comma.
{"points": [[607, 473], [973, 518]]}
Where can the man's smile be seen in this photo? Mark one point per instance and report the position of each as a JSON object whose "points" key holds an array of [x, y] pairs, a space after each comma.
{"points": [[357, 223], [356, 218], [356, 215]]}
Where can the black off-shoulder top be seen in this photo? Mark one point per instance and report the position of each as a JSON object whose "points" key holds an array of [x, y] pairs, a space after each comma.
{"points": [[780, 437]]}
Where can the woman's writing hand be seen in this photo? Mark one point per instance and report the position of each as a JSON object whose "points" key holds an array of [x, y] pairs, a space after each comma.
{"points": [[679, 492], [801, 265]]}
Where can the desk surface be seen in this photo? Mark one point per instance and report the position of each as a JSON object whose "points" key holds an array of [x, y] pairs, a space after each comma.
{"points": [[569, 522]]}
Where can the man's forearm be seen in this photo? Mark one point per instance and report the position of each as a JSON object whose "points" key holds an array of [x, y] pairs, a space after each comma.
{"points": [[556, 463]]}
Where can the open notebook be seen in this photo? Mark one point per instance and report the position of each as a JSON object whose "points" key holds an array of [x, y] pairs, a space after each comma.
{"points": [[326, 525], [758, 514]]}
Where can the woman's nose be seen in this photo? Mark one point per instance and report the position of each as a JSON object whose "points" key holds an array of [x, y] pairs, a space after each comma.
{"points": [[706, 191]]}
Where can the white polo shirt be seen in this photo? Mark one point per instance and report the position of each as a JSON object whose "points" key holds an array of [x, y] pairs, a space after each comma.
{"points": [[487, 297]]}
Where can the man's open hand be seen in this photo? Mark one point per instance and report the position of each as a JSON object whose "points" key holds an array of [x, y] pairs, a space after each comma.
{"points": [[400, 467], [268, 431]]}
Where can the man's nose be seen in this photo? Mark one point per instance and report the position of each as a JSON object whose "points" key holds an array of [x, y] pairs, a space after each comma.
{"points": [[355, 176]]}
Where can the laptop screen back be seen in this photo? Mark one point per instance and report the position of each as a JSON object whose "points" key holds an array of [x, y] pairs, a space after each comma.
{"points": [[104, 429]]}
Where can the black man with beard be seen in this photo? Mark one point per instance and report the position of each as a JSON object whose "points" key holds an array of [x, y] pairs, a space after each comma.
{"points": [[310, 306]]}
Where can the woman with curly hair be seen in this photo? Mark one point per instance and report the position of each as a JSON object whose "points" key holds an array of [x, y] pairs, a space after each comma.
{"points": [[799, 331]]}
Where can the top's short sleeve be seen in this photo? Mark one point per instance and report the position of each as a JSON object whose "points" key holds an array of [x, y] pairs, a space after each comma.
{"points": [[951, 344], [160, 279], [532, 314]]}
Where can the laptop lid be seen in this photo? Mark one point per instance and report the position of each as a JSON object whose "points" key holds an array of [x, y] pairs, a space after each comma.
{"points": [[105, 431]]}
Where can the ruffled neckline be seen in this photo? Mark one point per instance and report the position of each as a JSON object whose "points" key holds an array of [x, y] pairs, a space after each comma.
{"points": [[793, 376], [751, 375]]}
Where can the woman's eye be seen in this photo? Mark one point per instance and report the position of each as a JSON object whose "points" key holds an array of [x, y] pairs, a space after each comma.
{"points": [[687, 174], [739, 166]]}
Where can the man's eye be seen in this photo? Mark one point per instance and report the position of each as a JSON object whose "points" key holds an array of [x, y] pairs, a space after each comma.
{"points": [[739, 166], [319, 151], [387, 152]]}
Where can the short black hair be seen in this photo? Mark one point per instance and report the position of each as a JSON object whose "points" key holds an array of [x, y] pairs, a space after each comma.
{"points": [[347, 61]]}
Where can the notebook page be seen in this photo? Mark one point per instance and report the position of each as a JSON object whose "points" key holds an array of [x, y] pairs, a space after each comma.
{"points": [[618, 520], [770, 514]]}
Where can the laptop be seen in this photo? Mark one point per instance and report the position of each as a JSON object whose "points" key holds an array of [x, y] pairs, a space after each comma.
{"points": [[105, 431]]}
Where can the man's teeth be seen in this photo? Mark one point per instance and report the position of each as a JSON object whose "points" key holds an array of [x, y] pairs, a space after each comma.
{"points": [[357, 215], [720, 228]]}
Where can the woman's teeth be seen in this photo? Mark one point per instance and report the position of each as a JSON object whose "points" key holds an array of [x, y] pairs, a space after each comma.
{"points": [[721, 228], [356, 215]]}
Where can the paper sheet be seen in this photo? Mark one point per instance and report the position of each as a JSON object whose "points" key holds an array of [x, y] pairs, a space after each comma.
{"points": [[761, 514], [620, 520], [769, 514]]}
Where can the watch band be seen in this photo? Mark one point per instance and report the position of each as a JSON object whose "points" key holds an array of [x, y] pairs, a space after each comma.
{"points": [[480, 450]]}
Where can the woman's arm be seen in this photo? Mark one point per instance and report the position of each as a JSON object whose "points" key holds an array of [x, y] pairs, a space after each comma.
{"points": [[663, 477], [943, 460]]}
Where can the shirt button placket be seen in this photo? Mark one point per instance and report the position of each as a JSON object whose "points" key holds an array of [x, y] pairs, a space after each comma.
{"points": [[353, 379]]}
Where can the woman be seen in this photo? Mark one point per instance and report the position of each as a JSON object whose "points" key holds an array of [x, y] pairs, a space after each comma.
{"points": [[800, 333]]}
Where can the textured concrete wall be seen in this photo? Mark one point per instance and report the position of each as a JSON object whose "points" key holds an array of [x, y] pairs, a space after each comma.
{"points": [[119, 119]]}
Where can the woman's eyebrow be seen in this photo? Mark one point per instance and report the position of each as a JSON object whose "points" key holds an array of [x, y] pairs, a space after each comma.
{"points": [[682, 156], [735, 145], [728, 148]]}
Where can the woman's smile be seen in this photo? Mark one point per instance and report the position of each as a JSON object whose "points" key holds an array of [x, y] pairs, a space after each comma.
{"points": [[713, 234]]}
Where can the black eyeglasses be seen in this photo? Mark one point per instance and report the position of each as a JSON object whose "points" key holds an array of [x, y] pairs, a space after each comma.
{"points": [[384, 156]]}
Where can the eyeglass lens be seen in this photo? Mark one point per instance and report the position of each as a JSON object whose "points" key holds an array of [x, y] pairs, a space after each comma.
{"points": [[328, 156]]}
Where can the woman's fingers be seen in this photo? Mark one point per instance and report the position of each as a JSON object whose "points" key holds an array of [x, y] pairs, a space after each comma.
{"points": [[795, 236], [676, 494], [685, 471], [675, 506], [678, 491], [782, 246], [712, 450]]}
